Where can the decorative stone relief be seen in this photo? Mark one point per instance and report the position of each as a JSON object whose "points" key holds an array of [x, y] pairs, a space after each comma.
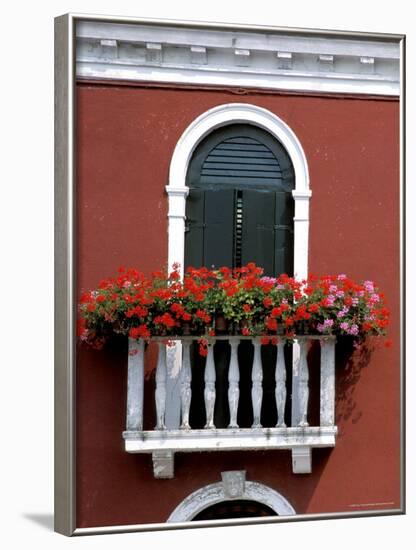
{"points": [[326, 62], [284, 60], [242, 57], [233, 483], [199, 55], [109, 48], [154, 53], [367, 65]]}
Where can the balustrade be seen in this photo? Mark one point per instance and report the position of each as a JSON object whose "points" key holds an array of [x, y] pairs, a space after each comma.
{"points": [[299, 436]]}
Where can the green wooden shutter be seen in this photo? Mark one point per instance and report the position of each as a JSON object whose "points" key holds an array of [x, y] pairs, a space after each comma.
{"points": [[258, 229], [194, 229], [209, 235], [219, 228], [283, 240], [267, 230]]}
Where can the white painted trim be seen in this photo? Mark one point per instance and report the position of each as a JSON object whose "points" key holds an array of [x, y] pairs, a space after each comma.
{"points": [[275, 59], [212, 494], [229, 439], [296, 81], [202, 126]]}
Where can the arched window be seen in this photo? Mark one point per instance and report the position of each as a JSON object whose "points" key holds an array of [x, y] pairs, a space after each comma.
{"points": [[240, 209], [215, 501], [211, 223], [240, 206]]}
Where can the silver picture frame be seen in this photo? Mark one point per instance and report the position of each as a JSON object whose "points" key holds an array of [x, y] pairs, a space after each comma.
{"points": [[65, 272]]}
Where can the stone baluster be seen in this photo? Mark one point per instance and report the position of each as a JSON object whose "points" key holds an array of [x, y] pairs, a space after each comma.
{"points": [[135, 385], [160, 394], [303, 382], [209, 391], [233, 384], [280, 377], [327, 401], [257, 388], [185, 378]]}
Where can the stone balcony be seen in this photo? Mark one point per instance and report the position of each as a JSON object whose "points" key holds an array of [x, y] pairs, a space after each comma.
{"points": [[298, 436]]}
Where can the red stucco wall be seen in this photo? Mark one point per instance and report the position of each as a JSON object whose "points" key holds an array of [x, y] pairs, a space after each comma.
{"points": [[126, 137]]}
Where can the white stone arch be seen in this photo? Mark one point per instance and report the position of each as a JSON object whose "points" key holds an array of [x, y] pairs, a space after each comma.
{"points": [[214, 493], [223, 115], [203, 125]]}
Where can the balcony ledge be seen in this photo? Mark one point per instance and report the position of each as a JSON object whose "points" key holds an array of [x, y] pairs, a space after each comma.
{"points": [[164, 443], [229, 439]]}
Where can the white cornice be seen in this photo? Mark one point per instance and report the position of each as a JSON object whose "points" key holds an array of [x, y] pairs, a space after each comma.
{"points": [[227, 57]]}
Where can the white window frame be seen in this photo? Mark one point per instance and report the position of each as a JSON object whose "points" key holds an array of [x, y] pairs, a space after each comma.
{"points": [[201, 127]]}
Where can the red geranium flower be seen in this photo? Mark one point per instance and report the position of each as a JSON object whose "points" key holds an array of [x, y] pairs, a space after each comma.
{"points": [[139, 332]]}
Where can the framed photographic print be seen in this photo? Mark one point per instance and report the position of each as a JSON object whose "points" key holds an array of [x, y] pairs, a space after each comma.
{"points": [[229, 274]]}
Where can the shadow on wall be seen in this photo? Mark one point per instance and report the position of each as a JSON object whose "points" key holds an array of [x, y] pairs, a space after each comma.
{"points": [[350, 362]]}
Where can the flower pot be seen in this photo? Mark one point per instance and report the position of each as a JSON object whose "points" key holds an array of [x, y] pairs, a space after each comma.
{"points": [[186, 329], [221, 324]]}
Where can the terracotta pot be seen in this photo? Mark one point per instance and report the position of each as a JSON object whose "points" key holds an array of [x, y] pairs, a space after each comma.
{"points": [[221, 324], [186, 329]]}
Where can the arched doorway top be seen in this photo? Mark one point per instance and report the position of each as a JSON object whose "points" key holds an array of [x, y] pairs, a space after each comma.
{"points": [[231, 113], [232, 486]]}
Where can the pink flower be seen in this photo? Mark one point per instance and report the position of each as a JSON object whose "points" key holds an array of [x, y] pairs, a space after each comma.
{"points": [[369, 286], [268, 279], [374, 298], [329, 300], [353, 330], [326, 325], [343, 312]]}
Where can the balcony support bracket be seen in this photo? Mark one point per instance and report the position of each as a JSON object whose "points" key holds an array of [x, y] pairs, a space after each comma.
{"points": [[302, 460], [163, 464]]}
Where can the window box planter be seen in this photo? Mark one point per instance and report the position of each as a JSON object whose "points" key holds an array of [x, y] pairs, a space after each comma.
{"points": [[208, 307]]}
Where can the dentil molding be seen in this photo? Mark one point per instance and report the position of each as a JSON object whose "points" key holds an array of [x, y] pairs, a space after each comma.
{"points": [[281, 60]]}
